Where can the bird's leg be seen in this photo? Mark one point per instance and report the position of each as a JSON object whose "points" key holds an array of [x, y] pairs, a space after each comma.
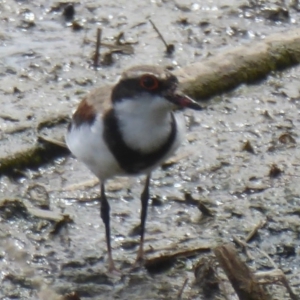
{"points": [[144, 201], [104, 212]]}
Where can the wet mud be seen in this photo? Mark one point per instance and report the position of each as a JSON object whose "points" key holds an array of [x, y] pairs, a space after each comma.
{"points": [[238, 168]]}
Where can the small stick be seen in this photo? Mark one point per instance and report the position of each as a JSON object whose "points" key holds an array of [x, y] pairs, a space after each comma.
{"points": [[241, 243], [282, 276], [267, 256], [52, 141], [97, 51], [239, 274], [179, 296], [169, 47], [158, 32], [289, 289], [278, 272], [254, 231], [244, 246]]}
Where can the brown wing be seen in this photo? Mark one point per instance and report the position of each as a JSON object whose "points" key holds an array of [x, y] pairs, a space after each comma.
{"points": [[93, 104]]}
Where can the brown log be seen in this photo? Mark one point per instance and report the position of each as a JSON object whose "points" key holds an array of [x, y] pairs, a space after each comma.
{"points": [[247, 63]]}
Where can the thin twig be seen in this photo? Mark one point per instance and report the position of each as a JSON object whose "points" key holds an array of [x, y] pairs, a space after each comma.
{"points": [[254, 231], [267, 256], [55, 142], [243, 245], [239, 274], [97, 51], [158, 32], [278, 272], [283, 278], [179, 296], [169, 47], [289, 289]]}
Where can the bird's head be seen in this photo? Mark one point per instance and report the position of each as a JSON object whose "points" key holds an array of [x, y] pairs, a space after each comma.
{"points": [[150, 88]]}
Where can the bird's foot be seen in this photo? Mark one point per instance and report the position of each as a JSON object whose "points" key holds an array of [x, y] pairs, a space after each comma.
{"points": [[112, 270], [139, 262]]}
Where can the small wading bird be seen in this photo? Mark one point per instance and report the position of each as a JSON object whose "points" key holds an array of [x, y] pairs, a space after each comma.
{"points": [[129, 129]]}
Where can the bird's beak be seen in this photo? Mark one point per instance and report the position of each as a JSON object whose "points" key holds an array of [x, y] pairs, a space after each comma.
{"points": [[183, 101]]}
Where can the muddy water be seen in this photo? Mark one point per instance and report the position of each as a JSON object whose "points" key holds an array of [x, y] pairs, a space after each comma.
{"points": [[45, 69]]}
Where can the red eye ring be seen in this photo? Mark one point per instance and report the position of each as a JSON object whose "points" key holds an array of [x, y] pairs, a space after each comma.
{"points": [[149, 82]]}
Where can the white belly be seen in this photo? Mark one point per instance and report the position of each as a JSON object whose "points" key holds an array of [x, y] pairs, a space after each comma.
{"points": [[87, 144], [180, 134]]}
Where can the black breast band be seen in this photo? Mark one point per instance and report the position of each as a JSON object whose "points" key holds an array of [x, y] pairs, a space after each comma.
{"points": [[130, 160]]}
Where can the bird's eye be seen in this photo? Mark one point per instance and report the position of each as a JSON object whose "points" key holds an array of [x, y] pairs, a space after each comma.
{"points": [[149, 82]]}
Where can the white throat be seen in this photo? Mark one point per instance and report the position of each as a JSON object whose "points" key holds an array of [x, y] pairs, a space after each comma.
{"points": [[145, 123]]}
